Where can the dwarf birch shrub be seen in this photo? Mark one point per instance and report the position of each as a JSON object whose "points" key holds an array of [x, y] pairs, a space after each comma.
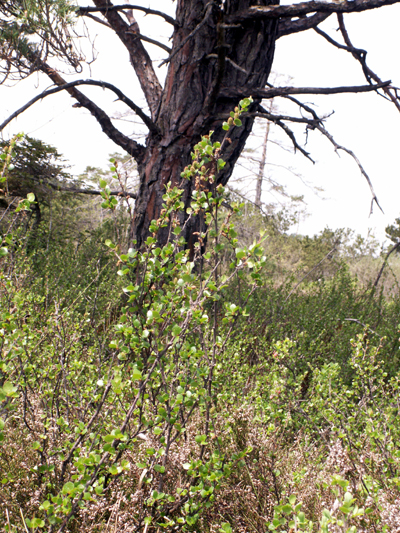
{"points": [[137, 414]]}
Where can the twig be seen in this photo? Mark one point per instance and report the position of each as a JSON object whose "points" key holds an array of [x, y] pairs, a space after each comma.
{"points": [[292, 137], [98, 19], [228, 60], [353, 155], [23, 520], [8, 521], [94, 192]]}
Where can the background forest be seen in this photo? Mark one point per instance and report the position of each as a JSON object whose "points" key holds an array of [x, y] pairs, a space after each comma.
{"points": [[253, 387]]}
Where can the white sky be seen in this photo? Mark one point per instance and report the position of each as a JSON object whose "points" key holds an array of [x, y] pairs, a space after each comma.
{"points": [[365, 123]]}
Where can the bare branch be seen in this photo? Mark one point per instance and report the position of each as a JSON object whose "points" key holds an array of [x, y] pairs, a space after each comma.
{"points": [[286, 27], [360, 56], [153, 41], [285, 91], [304, 8], [149, 123], [304, 106], [228, 60], [104, 9], [140, 59], [338, 147], [278, 120], [77, 190], [263, 113], [316, 123], [99, 20], [335, 43]]}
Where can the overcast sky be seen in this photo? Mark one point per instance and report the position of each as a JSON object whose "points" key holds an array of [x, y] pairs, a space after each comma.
{"points": [[366, 123]]}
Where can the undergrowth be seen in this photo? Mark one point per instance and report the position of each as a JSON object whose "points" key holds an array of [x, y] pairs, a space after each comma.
{"points": [[153, 391]]}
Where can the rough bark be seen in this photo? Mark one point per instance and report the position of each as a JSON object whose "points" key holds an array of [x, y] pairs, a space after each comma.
{"points": [[191, 100]]}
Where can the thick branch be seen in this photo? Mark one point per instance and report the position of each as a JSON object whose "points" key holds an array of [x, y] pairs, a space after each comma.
{"points": [[286, 27], [149, 123], [284, 91], [140, 59], [89, 9], [132, 147], [304, 8]]}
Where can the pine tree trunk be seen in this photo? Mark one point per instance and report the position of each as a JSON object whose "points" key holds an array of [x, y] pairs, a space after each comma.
{"points": [[214, 59]]}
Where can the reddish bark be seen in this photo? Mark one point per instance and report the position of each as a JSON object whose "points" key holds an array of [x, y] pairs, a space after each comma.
{"points": [[214, 58]]}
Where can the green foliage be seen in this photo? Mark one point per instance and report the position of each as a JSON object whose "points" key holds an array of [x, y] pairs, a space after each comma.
{"points": [[25, 23], [160, 392], [36, 165]]}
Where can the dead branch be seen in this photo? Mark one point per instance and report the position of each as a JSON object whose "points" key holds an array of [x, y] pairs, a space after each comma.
{"points": [[361, 56], [133, 148], [99, 20], [263, 113], [153, 41], [338, 147], [327, 256], [285, 91], [304, 8], [286, 27], [149, 123], [335, 43], [361, 324], [94, 192], [279, 121], [317, 123], [82, 11]]}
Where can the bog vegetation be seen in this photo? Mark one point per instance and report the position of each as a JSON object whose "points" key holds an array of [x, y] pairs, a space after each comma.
{"points": [[249, 387]]}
